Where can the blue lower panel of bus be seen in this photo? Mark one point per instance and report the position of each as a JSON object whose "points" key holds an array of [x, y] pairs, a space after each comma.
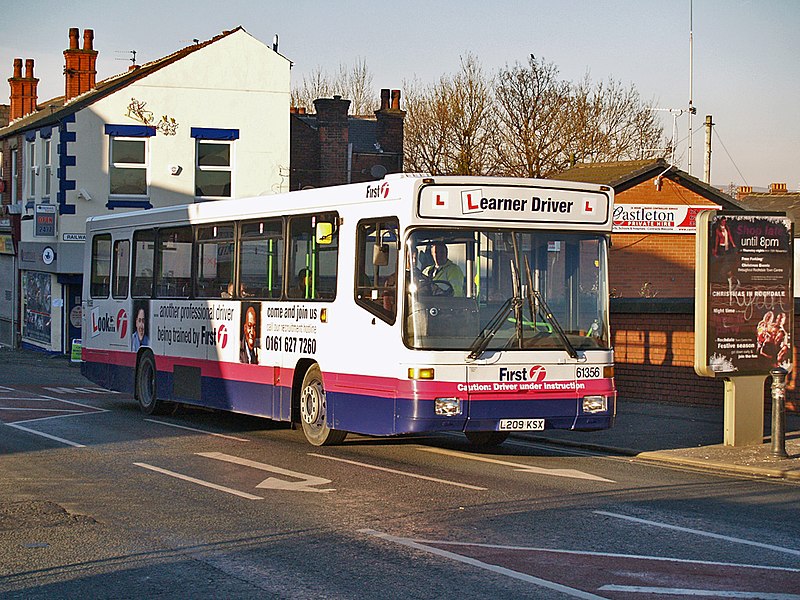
{"points": [[351, 411]]}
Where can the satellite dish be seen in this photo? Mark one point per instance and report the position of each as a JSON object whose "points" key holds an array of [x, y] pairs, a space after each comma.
{"points": [[377, 171]]}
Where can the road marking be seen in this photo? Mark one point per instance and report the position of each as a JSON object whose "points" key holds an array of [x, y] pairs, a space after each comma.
{"points": [[7, 389], [79, 390], [716, 536], [207, 484], [304, 485], [571, 473], [25, 409], [611, 555], [638, 589], [222, 435], [575, 593], [377, 468], [46, 435]]}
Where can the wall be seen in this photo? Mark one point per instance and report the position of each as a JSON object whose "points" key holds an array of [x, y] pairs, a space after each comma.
{"points": [[653, 343], [660, 264]]}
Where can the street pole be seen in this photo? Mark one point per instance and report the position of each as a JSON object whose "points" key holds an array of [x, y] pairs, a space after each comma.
{"points": [[778, 412]]}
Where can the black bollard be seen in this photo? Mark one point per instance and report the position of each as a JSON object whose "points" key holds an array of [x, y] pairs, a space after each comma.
{"points": [[778, 412]]}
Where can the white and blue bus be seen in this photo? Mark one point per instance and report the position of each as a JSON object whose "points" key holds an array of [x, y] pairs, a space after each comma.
{"points": [[413, 304]]}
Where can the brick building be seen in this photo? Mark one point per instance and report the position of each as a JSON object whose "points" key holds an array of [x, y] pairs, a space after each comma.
{"points": [[651, 272], [333, 148]]}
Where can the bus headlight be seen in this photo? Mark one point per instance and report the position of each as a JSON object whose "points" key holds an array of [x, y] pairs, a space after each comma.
{"points": [[447, 407], [595, 404]]}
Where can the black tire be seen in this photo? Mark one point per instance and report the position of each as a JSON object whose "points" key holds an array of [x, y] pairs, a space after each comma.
{"points": [[314, 411], [486, 439], [145, 387]]}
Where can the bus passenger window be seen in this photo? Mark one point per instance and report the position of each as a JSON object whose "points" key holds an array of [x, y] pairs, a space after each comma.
{"points": [[213, 261], [313, 262], [101, 266], [377, 245], [174, 262], [122, 267], [261, 259]]}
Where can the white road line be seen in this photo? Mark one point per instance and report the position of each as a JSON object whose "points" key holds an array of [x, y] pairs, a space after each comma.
{"points": [[700, 532], [7, 389], [222, 435], [207, 484], [571, 473], [23, 408], [611, 555], [47, 435], [377, 468], [638, 589], [573, 592]]}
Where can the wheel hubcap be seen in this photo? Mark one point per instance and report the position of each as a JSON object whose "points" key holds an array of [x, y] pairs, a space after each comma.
{"points": [[312, 404]]}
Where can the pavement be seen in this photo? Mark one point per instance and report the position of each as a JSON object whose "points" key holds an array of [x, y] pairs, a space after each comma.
{"points": [[660, 431]]}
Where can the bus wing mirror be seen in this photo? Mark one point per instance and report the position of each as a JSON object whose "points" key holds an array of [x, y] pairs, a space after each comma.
{"points": [[380, 255], [324, 232]]}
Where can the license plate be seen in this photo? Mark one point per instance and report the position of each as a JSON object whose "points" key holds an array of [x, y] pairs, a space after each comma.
{"points": [[521, 425]]}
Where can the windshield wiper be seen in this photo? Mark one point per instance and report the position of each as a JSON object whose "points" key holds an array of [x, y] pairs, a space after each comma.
{"points": [[550, 318], [493, 326]]}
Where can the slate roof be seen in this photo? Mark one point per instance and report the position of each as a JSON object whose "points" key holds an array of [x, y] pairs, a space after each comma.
{"points": [[766, 202], [623, 175]]}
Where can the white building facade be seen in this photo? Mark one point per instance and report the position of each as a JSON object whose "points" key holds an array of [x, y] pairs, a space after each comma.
{"points": [[208, 123]]}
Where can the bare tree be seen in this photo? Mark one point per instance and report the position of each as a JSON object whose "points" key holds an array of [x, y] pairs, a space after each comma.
{"points": [[450, 126], [535, 116], [352, 83]]}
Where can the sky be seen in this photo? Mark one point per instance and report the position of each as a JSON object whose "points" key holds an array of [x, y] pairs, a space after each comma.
{"points": [[744, 62]]}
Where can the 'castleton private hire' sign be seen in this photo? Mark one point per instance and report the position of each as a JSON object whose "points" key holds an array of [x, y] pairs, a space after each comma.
{"points": [[744, 292]]}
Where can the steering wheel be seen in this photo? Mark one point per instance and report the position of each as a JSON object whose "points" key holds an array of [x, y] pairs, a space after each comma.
{"points": [[441, 287]]}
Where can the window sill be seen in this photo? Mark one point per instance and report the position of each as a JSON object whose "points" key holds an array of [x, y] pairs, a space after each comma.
{"points": [[141, 202]]}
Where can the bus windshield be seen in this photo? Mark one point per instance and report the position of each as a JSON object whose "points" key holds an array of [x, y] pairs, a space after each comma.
{"points": [[487, 290]]}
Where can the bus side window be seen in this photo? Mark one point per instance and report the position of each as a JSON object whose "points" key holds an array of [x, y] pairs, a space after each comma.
{"points": [[313, 263], [213, 261], [143, 256], [174, 262], [122, 268], [101, 266], [377, 245], [261, 250]]}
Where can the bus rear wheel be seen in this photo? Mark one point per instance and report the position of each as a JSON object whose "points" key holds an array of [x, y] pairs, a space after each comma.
{"points": [[145, 387], [313, 411], [486, 439]]}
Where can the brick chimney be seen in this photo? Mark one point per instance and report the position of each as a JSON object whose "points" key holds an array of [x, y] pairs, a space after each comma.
{"points": [[23, 90], [333, 139], [79, 64], [743, 191], [389, 127], [777, 188]]}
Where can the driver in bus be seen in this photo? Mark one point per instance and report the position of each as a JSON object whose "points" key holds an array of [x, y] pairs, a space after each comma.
{"points": [[445, 270]]}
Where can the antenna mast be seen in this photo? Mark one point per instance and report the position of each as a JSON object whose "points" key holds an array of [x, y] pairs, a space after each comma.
{"points": [[692, 109]]}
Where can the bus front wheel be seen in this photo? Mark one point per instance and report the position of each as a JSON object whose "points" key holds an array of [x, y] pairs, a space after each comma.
{"points": [[145, 388], [486, 439], [313, 411]]}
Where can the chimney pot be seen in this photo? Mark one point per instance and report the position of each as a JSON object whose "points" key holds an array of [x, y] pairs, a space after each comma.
{"points": [[301, 110], [29, 68], [17, 68], [777, 188], [73, 38], [384, 99], [395, 99], [744, 190], [88, 39]]}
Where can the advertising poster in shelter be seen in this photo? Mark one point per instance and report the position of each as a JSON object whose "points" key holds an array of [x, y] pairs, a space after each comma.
{"points": [[750, 304]]}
